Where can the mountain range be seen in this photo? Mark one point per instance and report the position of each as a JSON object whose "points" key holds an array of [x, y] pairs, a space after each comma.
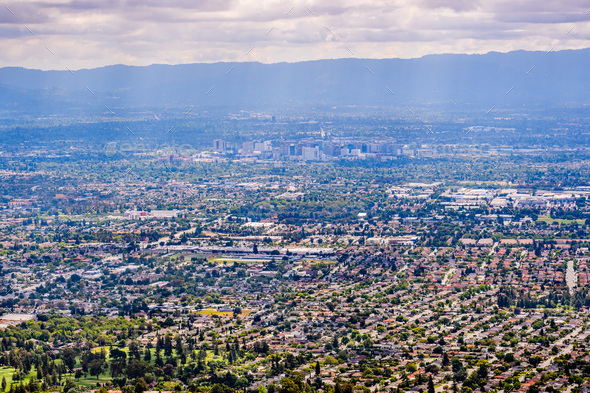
{"points": [[515, 79]]}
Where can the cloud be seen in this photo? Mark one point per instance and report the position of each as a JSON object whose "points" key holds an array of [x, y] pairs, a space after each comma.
{"points": [[88, 33], [22, 13], [455, 5], [201, 5]]}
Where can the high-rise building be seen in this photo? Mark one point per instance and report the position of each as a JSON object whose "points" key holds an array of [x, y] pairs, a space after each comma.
{"points": [[219, 145], [247, 147], [310, 153]]}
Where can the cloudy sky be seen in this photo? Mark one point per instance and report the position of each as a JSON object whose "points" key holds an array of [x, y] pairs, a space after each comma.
{"points": [[60, 34]]}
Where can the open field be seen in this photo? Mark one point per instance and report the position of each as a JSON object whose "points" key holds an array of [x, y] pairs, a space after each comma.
{"points": [[312, 261], [6, 372], [550, 221], [211, 311], [238, 260]]}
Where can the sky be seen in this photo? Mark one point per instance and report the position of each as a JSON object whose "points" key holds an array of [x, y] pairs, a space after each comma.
{"points": [[74, 34]]}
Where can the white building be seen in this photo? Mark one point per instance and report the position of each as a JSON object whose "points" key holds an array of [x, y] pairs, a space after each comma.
{"points": [[310, 153]]}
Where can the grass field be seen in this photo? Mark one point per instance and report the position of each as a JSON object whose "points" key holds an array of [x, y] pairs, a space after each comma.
{"points": [[88, 380], [210, 311], [91, 381], [238, 260], [6, 372], [313, 261], [550, 221]]}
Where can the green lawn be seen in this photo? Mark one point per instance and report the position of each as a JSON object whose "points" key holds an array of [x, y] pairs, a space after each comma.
{"points": [[210, 311], [6, 372], [238, 260], [550, 221], [88, 380], [91, 381]]}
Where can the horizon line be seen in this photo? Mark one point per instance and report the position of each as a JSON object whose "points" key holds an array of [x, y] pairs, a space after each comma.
{"points": [[294, 62]]}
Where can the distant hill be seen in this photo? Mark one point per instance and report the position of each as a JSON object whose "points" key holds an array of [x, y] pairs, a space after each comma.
{"points": [[474, 81]]}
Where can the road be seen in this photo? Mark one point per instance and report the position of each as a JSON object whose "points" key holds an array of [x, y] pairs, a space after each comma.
{"points": [[571, 277], [559, 344], [448, 276]]}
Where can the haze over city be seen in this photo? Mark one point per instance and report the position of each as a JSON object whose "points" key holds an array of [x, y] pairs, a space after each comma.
{"points": [[309, 197]]}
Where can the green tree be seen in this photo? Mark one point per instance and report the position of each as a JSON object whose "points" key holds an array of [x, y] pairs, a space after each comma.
{"points": [[534, 389], [221, 388], [69, 385], [68, 356], [288, 386], [535, 360], [461, 374], [134, 350], [137, 369], [96, 366], [445, 360], [117, 368], [167, 346], [116, 354], [141, 386], [128, 389], [242, 382], [33, 386], [430, 385], [482, 371]]}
